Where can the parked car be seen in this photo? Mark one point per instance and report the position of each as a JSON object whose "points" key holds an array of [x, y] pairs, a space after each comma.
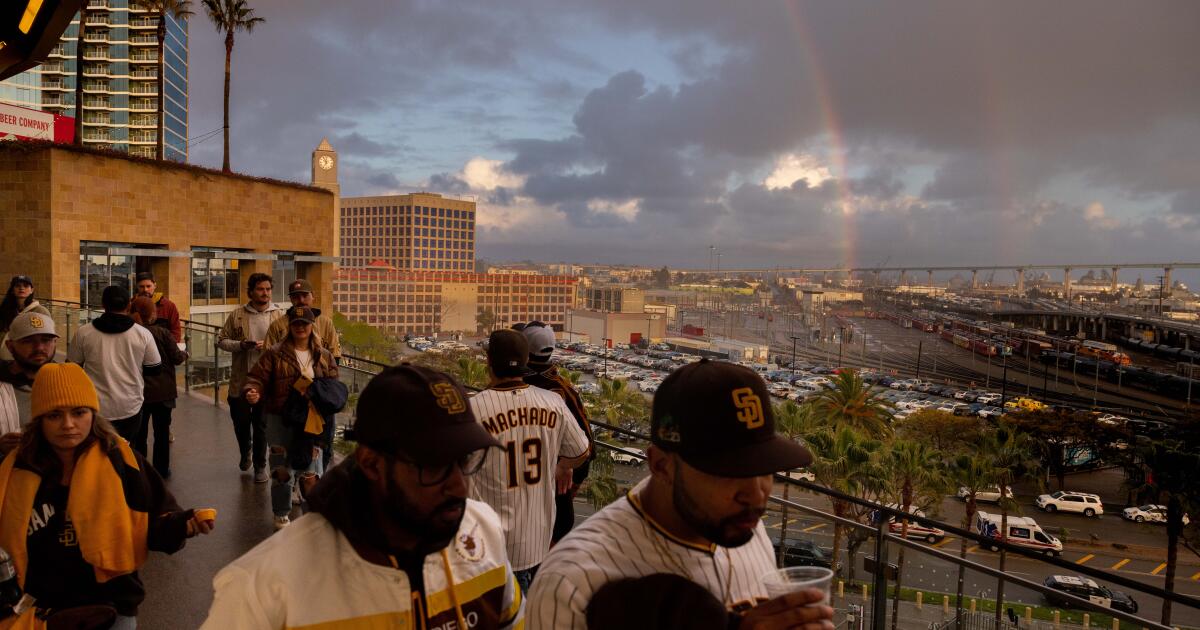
{"points": [[915, 530], [1087, 588], [988, 398], [803, 553], [627, 459], [1078, 502], [1022, 531], [989, 495], [1149, 513]]}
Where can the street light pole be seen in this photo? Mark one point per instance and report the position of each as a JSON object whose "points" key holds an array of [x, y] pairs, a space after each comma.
{"points": [[794, 338], [920, 346], [1004, 384]]}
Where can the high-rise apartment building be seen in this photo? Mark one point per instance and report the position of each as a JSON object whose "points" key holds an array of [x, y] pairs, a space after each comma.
{"points": [[417, 232], [120, 89]]}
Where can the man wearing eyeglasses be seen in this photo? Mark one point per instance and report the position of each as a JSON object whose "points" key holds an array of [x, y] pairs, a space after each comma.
{"points": [[404, 546]]}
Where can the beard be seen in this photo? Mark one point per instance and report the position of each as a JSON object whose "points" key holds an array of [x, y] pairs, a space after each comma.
{"points": [[436, 529], [724, 532]]}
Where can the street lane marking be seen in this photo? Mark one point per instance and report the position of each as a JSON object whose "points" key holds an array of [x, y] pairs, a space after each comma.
{"points": [[1159, 569], [1196, 577], [780, 525], [814, 527], [943, 542], [1085, 558], [1120, 564], [973, 549]]}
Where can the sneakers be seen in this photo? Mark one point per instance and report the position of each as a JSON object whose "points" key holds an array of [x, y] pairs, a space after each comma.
{"points": [[261, 476], [245, 464], [281, 522]]}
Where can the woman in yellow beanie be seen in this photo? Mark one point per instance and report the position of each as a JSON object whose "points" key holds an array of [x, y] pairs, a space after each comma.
{"points": [[79, 509]]}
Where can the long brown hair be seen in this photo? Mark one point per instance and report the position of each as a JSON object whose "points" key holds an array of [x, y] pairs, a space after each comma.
{"points": [[36, 454]]}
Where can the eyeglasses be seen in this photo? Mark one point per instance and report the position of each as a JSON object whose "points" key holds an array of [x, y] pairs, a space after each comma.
{"points": [[427, 475]]}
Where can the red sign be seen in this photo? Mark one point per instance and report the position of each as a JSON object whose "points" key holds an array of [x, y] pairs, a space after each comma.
{"points": [[21, 123]]}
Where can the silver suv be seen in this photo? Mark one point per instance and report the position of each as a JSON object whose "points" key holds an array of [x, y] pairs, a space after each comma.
{"points": [[1080, 502]]}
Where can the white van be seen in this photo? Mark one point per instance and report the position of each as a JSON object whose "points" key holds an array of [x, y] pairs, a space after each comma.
{"points": [[1022, 532]]}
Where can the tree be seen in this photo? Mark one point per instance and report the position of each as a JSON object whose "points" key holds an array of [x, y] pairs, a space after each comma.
{"points": [[486, 319], [363, 340], [974, 472], [794, 422], [620, 404], [844, 460], [1062, 435], [917, 478], [942, 430], [1172, 468], [1011, 453], [83, 18], [850, 402], [600, 487], [573, 376], [662, 278], [229, 16], [177, 9], [471, 371]]}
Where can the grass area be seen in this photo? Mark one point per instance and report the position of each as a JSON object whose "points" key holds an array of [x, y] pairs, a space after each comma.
{"points": [[933, 599]]}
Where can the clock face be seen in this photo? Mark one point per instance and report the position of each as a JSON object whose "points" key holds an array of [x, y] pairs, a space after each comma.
{"points": [[325, 162]]}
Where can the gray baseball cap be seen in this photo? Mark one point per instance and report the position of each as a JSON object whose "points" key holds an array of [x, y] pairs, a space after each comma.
{"points": [[29, 324]]}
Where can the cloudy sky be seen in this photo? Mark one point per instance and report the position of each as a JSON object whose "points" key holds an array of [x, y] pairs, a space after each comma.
{"points": [[783, 132]]}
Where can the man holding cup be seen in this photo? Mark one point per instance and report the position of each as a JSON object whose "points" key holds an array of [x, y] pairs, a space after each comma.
{"points": [[699, 513]]}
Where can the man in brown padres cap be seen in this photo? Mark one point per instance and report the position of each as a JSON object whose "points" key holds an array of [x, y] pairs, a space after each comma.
{"points": [[699, 513], [392, 539], [300, 292]]}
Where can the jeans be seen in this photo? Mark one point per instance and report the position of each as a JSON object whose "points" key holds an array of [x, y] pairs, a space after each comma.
{"points": [[128, 428], [158, 414], [283, 476], [525, 578], [250, 428]]}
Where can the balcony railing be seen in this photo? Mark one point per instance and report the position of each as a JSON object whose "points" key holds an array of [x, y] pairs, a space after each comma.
{"points": [[144, 74], [139, 89], [143, 22], [868, 600], [143, 137], [95, 53], [95, 86], [52, 99], [95, 102], [141, 105], [96, 136], [53, 66], [143, 55], [142, 121], [143, 39], [97, 4], [59, 50], [95, 36]]}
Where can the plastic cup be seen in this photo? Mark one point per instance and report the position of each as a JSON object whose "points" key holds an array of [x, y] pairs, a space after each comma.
{"points": [[205, 514], [791, 579]]}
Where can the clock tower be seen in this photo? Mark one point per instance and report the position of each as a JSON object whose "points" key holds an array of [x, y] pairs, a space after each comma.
{"points": [[324, 175]]}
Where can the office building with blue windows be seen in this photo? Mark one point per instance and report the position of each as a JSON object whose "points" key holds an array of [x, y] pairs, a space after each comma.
{"points": [[120, 89]]}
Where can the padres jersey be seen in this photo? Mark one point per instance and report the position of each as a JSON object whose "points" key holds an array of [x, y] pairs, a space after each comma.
{"points": [[622, 541], [534, 427]]}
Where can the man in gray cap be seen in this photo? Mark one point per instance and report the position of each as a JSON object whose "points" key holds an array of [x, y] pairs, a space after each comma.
{"points": [[546, 376], [32, 342]]}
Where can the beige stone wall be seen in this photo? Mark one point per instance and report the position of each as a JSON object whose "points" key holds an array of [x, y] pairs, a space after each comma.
{"points": [[53, 198]]}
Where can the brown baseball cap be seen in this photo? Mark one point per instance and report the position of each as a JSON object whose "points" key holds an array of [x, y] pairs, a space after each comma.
{"points": [[419, 413], [303, 314], [299, 286], [508, 353], [717, 416]]}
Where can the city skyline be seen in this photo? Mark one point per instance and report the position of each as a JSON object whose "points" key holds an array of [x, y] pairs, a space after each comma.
{"points": [[631, 132]]}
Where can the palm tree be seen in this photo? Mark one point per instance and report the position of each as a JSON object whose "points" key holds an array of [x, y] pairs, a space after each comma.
{"points": [[83, 16], [974, 472], [1173, 467], [794, 422], [229, 16], [161, 9], [918, 477], [850, 402], [471, 372], [619, 403], [844, 460], [574, 377], [1012, 457]]}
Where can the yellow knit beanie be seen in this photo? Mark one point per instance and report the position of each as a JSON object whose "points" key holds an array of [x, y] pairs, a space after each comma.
{"points": [[62, 385]]}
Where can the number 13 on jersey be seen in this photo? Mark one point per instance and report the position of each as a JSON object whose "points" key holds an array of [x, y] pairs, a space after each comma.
{"points": [[525, 459]]}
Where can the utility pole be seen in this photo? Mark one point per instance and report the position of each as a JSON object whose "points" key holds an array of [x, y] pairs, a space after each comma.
{"points": [[920, 346], [1028, 370], [1004, 384], [794, 338]]}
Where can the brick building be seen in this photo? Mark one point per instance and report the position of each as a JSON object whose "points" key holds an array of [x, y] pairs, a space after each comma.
{"points": [[429, 302]]}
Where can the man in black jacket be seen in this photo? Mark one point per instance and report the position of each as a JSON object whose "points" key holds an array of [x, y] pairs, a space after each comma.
{"points": [[546, 376]]}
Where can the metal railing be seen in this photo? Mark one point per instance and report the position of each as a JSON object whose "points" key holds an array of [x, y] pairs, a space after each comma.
{"points": [[207, 369], [878, 607]]}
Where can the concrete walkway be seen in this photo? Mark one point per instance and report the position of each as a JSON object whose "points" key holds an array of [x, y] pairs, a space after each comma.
{"points": [[204, 474]]}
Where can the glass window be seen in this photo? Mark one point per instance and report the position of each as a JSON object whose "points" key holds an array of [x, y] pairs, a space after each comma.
{"points": [[199, 280], [1019, 532], [216, 287]]}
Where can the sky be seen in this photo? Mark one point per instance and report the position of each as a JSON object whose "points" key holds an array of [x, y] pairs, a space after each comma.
{"points": [[784, 133]]}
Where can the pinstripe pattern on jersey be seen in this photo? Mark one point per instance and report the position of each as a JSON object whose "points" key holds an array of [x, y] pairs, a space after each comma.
{"points": [[619, 542], [535, 427]]}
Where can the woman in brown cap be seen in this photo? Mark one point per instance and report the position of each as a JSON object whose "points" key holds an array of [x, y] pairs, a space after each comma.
{"points": [[289, 366], [79, 508]]}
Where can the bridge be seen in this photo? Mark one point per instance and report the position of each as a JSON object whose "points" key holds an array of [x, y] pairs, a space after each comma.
{"points": [[1067, 269]]}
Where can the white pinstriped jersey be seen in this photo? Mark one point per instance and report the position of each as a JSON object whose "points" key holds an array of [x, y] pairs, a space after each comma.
{"points": [[622, 541], [534, 427]]}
